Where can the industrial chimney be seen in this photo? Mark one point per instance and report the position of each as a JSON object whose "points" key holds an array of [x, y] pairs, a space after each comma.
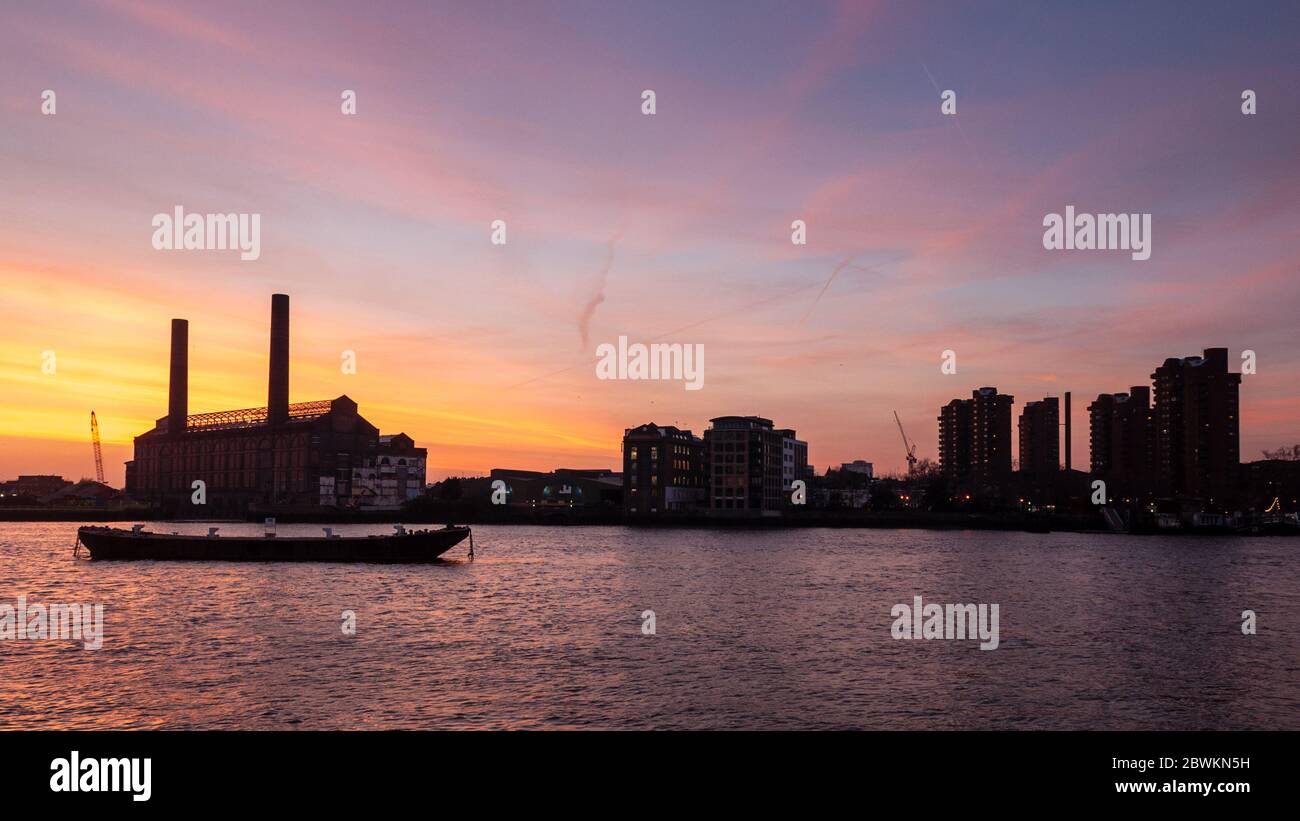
{"points": [[277, 395], [1067, 430], [178, 390]]}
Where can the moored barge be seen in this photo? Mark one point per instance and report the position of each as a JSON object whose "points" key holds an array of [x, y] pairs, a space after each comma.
{"points": [[401, 546]]}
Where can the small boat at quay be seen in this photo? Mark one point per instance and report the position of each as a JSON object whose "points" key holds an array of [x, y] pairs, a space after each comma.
{"points": [[401, 546]]}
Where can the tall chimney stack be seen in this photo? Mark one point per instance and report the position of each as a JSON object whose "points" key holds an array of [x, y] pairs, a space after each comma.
{"points": [[1067, 430], [277, 395], [178, 389]]}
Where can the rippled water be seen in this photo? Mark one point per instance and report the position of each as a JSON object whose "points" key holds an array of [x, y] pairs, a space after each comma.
{"points": [[753, 630]]}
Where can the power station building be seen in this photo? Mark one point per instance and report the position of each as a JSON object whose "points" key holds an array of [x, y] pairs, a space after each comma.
{"points": [[320, 454]]}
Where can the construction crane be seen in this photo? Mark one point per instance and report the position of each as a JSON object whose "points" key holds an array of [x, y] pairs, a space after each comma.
{"points": [[99, 456], [911, 447]]}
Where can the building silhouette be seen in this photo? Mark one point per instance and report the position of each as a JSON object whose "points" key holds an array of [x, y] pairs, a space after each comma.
{"points": [[306, 454], [746, 465], [1040, 436], [1121, 438], [991, 435], [955, 434], [794, 460], [663, 470], [975, 439], [559, 488], [1197, 426], [34, 486], [860, 467]]}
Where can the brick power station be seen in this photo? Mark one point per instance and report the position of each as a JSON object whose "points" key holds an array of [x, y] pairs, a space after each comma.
{"points": [[281, 457]]}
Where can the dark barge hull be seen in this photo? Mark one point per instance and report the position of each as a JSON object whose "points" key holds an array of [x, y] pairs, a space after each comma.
{"points": [[105, 543]]}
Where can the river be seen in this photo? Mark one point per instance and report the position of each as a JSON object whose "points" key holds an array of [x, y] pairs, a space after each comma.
{"points": [[772, 629]]}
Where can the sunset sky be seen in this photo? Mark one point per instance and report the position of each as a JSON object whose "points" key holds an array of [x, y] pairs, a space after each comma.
{"points": [[924, 231]]}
